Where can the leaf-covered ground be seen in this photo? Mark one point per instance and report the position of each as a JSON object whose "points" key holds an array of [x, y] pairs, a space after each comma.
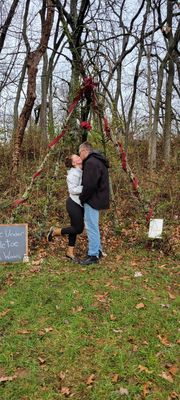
{"points": [[102, 332]]}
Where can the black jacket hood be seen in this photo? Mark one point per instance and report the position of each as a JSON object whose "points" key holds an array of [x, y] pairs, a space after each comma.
{"points": [[99, 156]]}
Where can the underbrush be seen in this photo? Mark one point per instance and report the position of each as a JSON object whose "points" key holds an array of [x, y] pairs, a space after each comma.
{"points": [[125, 219]]}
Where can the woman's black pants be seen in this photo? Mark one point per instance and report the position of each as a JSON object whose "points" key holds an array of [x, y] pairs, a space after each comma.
{"points": [[76, 214]]}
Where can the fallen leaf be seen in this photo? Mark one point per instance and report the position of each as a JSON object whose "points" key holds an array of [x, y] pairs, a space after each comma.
{"points": [[123, 391], [173, 396], [146, 389], [117, 330], [162, 266], [140, 305], [171, 296], [164, 340], [142, 368], [135, 348], [62, 375], [24, 331], [7, 378], [102, 297], [35, 270], [5, 312], [50, 329], [41, 360], [90, 379], [66, 391], [124, 278], [37, 262], [112, 317], [41, 333], [173, 369], [167, 377], [78, 309], [115, 378], [165, 305], [134, 263], [137, 274]]}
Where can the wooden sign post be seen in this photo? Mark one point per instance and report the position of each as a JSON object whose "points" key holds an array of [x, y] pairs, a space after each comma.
{"points": [[13, 243]]}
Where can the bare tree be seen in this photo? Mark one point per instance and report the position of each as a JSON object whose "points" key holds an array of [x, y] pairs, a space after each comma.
{"points": [[33, 59], [169, 82], [5, 26], [24, 67]]}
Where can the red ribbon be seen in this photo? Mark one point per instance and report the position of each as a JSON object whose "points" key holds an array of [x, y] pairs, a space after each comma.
{"points": [[36, 174], [107, 128], [123, 157], [57, 138], [135, 183], [86, 90], [17, 202], [86, 125], [149, 215], [75, 101]]}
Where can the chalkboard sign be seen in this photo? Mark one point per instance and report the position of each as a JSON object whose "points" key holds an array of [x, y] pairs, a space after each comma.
{"points": [[13, 242]]}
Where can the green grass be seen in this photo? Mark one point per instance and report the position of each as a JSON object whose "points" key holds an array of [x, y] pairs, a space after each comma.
{"points": [[83, 321]]}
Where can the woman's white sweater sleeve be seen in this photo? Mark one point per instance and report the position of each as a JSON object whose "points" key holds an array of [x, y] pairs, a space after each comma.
{"points": [[73, 182]]}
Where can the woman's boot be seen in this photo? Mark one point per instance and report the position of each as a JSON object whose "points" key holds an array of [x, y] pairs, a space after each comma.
{"points": [[70, 253], [53, 232]]}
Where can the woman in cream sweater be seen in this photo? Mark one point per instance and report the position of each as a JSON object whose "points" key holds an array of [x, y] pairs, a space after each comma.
{"points": [[73, 206]]}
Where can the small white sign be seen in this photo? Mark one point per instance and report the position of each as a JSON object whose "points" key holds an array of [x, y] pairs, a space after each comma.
{"points": [[155, 228]]}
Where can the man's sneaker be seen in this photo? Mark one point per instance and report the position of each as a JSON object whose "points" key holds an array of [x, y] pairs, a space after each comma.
{"points": [[102, 254], [89, 260], [50, 234]]}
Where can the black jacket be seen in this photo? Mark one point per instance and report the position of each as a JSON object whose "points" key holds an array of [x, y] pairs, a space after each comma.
{"points": [[95, 181]]}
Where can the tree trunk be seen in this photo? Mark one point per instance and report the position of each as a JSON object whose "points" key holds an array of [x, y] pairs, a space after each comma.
{"points": [[33, 60], [50, 112], [168, 112], [153, 142], [169, 86], [18, 94], [7, 23], [43, 109], [137, 73]]}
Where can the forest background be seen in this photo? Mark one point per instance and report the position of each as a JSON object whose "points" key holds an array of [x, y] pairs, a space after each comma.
{"points": [[130, 51], [109, 331]]}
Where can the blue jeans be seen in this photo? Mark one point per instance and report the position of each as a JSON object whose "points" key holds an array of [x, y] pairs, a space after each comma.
{"points": [[91, 221]]}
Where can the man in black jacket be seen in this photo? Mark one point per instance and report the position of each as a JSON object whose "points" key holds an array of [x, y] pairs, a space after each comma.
{"points": [[94, 197]]}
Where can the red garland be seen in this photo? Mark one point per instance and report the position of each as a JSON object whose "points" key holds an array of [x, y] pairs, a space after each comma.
{"points": [[107, 128], [86, 125], [89, 85], [135, 183], [123, 157], [149, 215], [86, 90], [36, 174], [18, 202], [57, 138], [75, 101]]}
